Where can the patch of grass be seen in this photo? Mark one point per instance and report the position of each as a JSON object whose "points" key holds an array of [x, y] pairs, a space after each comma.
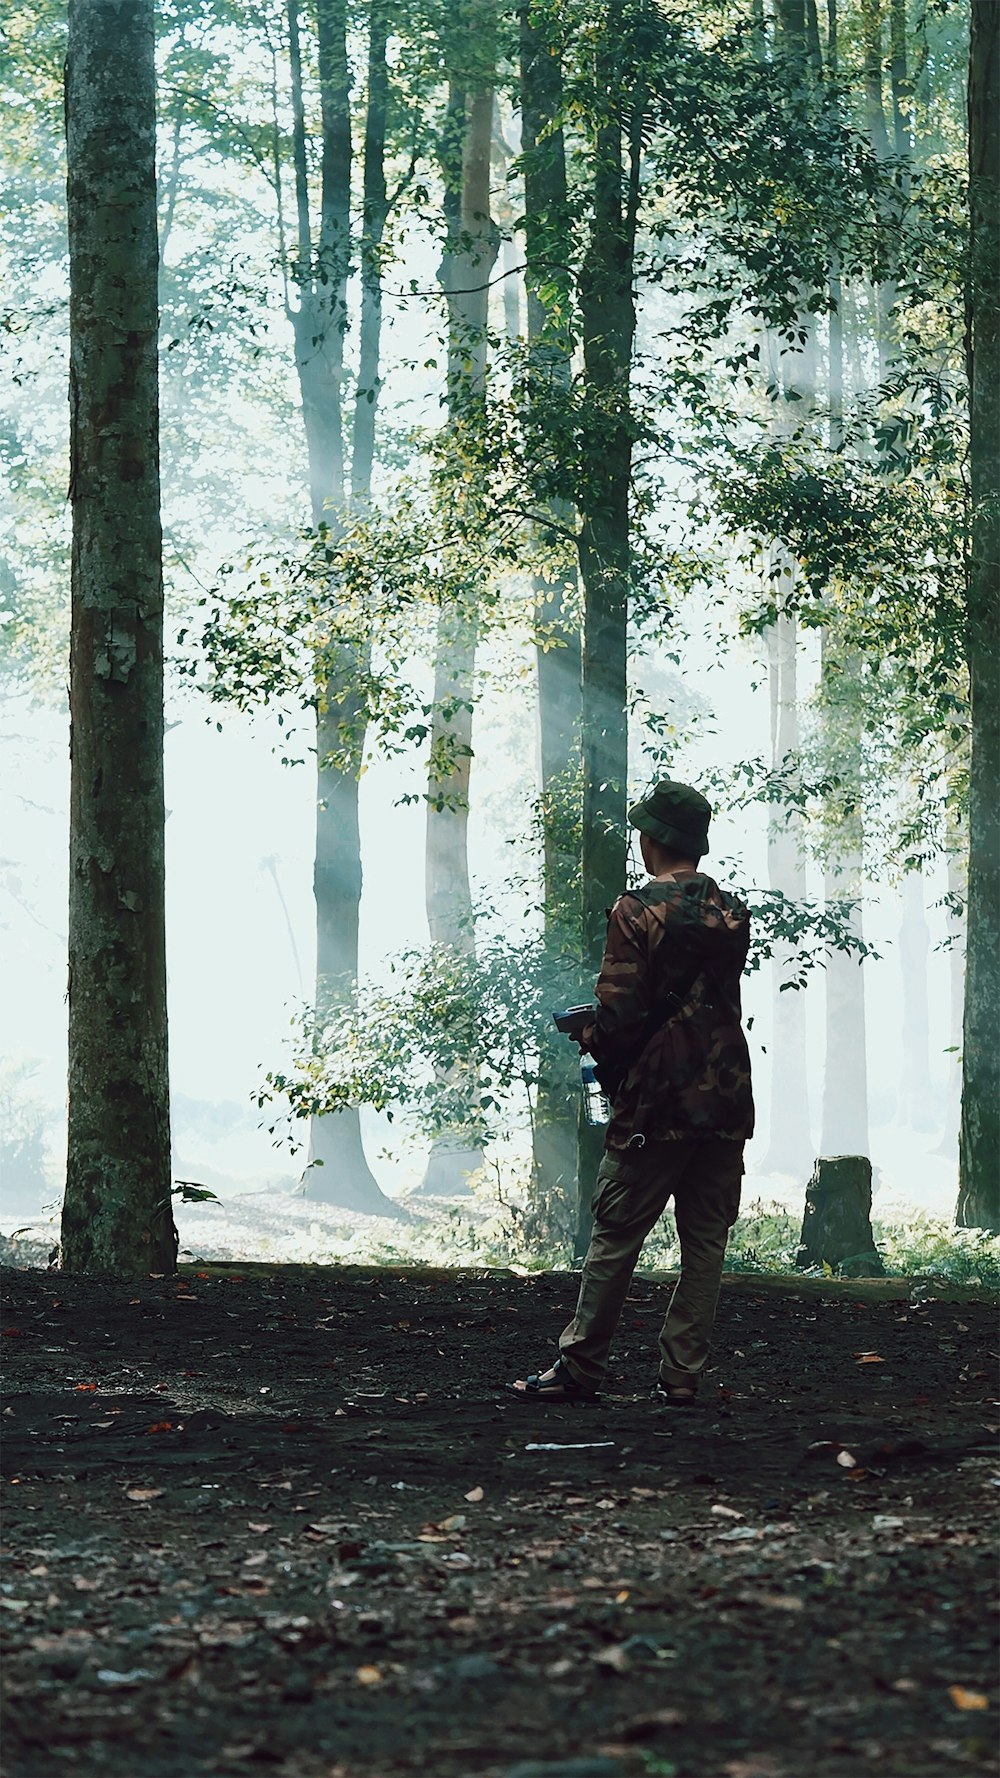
{"points": [[765, 1239], [922, 1246]]}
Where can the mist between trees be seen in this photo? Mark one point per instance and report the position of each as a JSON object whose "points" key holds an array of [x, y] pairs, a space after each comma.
{"points": [[551, 399]]}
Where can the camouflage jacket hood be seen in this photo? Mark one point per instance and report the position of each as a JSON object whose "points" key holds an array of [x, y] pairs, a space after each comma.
{"points": [[690, 1074]]}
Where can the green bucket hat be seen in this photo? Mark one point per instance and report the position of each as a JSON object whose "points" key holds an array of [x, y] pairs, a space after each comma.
{"points": [[675, 816]]}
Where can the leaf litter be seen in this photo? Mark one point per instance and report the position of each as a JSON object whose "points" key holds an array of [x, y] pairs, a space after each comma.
{"points": [[275, 1559]]}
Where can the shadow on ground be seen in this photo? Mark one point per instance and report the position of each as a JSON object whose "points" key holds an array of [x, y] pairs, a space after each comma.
{"points": [[287, 1519]]}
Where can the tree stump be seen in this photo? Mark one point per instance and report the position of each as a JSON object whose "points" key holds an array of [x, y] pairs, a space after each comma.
{"points": [[836, 1226]]}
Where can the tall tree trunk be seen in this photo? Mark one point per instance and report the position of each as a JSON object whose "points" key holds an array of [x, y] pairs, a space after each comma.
{"points": [[375, 212], [979, 1148], [607, 312], [948, 1144], [116, 1215], [845, 1128], [556, 596], [470, 253], [790, 1148], [338, 1172], [872, 23], [899, 80], [504, 213], [872, 31], [916, 1110]]}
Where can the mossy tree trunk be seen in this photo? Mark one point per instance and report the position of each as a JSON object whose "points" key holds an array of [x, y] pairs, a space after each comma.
{"points": [[116, 1216]]}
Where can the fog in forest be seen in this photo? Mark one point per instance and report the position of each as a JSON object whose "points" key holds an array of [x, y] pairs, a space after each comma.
{"points": [[241, 822]]}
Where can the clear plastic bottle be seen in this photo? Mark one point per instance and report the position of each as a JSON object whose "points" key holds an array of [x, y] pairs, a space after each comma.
{"points": [[596, 1107]]}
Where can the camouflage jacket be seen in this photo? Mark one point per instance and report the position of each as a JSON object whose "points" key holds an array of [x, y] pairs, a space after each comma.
{"points": [[691, 1077]]}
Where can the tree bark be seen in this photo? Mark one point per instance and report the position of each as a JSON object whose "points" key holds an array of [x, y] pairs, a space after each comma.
{"points": [[948, 1144], [338, 1171], [979, 1146], [375, 212], [872, 30], [470, 252], [899, 81], [116, 1215], [836, 1224], [466, 265], [556, 595], [844, 1128], [607, 313], [916, 1108], [790, 1148]]}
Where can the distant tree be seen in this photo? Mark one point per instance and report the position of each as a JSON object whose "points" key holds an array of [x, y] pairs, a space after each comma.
{"points": [[339, 1172], [116, 1215], [469, 252], [979, 1147]]}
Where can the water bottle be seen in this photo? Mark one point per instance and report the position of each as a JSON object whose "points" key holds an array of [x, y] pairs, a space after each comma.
{"points": [[596, 1108]]}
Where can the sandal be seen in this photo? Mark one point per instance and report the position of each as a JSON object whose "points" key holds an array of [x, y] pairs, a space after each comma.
{"points": [[676, 1395], [559, 1385]]}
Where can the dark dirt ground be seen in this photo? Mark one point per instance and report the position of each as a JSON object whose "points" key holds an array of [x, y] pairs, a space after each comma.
{"points": [[285, 1520]]}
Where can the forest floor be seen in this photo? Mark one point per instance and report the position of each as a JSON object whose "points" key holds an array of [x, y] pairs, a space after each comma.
{"points": [[285, 1519]]}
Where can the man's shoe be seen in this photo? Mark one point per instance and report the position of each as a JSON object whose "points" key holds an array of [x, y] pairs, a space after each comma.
{"points": [[676, 1396]]}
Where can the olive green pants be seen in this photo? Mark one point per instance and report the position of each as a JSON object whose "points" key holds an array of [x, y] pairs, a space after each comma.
{"points": [[703, 1176]]}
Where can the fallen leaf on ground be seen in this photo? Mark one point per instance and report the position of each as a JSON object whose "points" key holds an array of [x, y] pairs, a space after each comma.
{"points": [[964, 1700]]}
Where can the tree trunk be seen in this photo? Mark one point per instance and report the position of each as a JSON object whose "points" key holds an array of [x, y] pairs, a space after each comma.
{"points": [[503, 210], [607, 313], [878, 135], [467, 263], [948, 1144], [557, 627], [337, 1172], [116, 1215], [373, 221], [845, 1069], [899, 81], [872, 28], [464, 274], [837, 1222], [790, 1148], [979, 1148], [916, 1107], [845, 1073]]}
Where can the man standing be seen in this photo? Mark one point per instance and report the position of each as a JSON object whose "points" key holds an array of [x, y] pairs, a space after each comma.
{"points": [[672, 1057]]}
